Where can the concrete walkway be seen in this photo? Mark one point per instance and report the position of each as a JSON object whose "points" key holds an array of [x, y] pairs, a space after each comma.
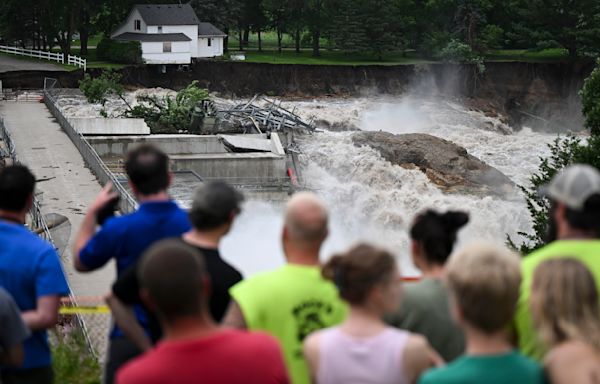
{"points": [[67, 186], [9, 63]]}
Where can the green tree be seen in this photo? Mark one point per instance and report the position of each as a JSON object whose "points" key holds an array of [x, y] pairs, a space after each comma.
{"points": [[347, 28], [379, 25], [590, 98], [563, 152]]}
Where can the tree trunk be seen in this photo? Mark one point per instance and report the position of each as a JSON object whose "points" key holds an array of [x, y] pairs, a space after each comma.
{"points": [[297, 40], [316, 45], [246, 36], [226, 40], [84, 33], [259, 42], [279, 38], [240, 40]]}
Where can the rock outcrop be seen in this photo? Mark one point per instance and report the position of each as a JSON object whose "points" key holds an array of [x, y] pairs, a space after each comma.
{"points": [[446, 164]]}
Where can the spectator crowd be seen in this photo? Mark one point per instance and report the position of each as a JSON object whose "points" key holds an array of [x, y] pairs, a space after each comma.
{"points": [[182, 314]]}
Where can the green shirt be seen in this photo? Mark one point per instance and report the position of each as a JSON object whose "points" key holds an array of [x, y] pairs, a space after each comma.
{"points": [[508, 368], [424, 310], [586, 251], [290, 303]]}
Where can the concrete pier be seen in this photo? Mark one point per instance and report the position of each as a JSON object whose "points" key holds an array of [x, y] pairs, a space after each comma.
{"points": [[67, 187]]}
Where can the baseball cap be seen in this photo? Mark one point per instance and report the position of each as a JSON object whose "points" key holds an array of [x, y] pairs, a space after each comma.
{"points": [[573, 185], [215, 200]]}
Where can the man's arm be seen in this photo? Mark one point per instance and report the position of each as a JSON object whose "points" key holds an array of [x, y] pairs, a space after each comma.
{"points": [[45, 315], [126, 320], [234, 318], [88, 226]]}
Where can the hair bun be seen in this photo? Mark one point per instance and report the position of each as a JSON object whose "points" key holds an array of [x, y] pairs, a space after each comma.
{"points": [[454, 220]]}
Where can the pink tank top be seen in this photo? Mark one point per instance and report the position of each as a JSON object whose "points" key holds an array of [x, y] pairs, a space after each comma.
{"points": [[344, 359]]}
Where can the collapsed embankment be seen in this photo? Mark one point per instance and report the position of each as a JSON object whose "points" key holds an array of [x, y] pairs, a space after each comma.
{"points": [[541, 93]]}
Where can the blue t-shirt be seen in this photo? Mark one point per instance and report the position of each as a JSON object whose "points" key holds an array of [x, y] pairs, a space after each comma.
{"points": [[126, 237], [29, 269], [507, 368]]}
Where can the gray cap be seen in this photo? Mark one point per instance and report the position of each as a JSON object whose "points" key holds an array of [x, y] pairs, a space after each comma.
{"points": [[573, 185]]}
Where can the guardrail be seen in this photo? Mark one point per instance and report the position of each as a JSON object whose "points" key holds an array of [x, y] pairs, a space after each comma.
{"points": [[90, 156], [38, 220], [45, 55]]}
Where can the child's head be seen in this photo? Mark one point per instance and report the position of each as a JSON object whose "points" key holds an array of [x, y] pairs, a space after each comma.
{"points": [[483, 280], [366, 276], [564, 302]]}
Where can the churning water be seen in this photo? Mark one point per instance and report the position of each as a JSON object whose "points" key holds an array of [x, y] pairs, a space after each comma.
{"points": [[372, 200]]}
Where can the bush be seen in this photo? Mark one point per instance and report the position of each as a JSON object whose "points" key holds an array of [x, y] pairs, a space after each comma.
{"points": [[492, 37], [590, 98], [129, 52], [457, 51]]}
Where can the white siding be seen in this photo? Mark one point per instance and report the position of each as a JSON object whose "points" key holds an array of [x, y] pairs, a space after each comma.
{"points": [[215, 49], [129, 24], [190, 31], [152, 53]]}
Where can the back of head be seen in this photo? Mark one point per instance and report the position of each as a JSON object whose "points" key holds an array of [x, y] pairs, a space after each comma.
{"points": [[172, 273], [148, 169], [436, 233], [306, 220], [214, 204], [564, 302], [17, 184], [578, 188], [359, 270], [483, 280]]}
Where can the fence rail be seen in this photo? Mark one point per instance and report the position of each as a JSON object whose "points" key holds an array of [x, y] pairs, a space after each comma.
{"points": [[45, 55], [90, 156], [38, 221]]}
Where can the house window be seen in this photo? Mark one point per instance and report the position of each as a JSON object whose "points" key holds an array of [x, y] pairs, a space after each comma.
{"points": [[209, 42], [137, 25], [159, 29], [167, 46]]}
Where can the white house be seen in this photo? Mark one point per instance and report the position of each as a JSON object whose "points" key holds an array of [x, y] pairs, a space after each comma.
{"points": [[170, 34]]}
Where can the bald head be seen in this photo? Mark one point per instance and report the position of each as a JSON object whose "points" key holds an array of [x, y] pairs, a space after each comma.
{"points": [[306, 220]]}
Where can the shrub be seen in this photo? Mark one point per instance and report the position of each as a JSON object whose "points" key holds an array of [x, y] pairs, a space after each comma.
{"points": [[127, 52], [590, 98]]}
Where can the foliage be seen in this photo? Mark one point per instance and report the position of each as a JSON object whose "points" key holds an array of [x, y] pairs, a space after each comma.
{"points": [[563, 152], [167, 114], [98, 90], [458, 52], [72, 361], [129, 52], [590, 98]]}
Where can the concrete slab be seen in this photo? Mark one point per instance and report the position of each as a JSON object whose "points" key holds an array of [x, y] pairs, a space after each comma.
{"points": [[67, 187], [240, 143], [109, 126]]}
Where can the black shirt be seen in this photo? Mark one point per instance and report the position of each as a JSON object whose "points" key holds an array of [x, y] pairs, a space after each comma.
{"points": [[222, 277]]}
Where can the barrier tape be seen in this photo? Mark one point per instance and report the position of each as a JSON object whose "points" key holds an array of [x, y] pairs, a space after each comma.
{"points": [[84, 310]]}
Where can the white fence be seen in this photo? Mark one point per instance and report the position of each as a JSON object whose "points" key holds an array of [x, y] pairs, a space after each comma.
{"points": [[44, 55]]}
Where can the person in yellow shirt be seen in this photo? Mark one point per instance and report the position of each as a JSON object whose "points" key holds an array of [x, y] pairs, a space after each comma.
{"points": [[295, 300], [575, 224]]}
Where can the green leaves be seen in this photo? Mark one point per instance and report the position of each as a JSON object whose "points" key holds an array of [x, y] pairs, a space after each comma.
{"points": [[590, 98], [98, 90]]}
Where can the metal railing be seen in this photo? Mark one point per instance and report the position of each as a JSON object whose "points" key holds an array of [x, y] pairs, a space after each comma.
{"points": [[38, 221], [45, 55], [127, 203]]}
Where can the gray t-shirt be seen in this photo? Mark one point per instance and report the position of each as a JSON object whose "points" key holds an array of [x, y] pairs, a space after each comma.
{"points": [[425, 310], [12, 329]]}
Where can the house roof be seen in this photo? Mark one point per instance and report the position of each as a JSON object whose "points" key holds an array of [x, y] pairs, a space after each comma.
{"points": [[207, 29], [167, 14], [155, 37]]}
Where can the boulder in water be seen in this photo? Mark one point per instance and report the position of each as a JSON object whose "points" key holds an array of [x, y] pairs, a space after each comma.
{"points": [[446, 164]]}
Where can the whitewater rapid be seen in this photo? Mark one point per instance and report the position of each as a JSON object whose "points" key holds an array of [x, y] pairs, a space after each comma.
{"points": [[372, 200]]}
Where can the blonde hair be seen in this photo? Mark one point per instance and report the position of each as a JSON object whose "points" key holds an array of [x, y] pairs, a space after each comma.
{"points": [[564, 303], [484, 281]]}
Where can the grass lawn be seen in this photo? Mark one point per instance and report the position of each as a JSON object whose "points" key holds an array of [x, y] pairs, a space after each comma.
{"points": [[545, 55], [72, 362], [329, 58], [33, 59]]}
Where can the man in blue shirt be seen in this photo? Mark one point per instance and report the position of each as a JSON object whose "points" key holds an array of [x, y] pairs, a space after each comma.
{"points": [[31, 272], [126, 237]]}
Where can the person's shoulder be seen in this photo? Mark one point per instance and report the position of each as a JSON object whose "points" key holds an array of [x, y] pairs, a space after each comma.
{"points": [[142, 370], [258, 280], [569, 353], [438, 376], [253, 341]]}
